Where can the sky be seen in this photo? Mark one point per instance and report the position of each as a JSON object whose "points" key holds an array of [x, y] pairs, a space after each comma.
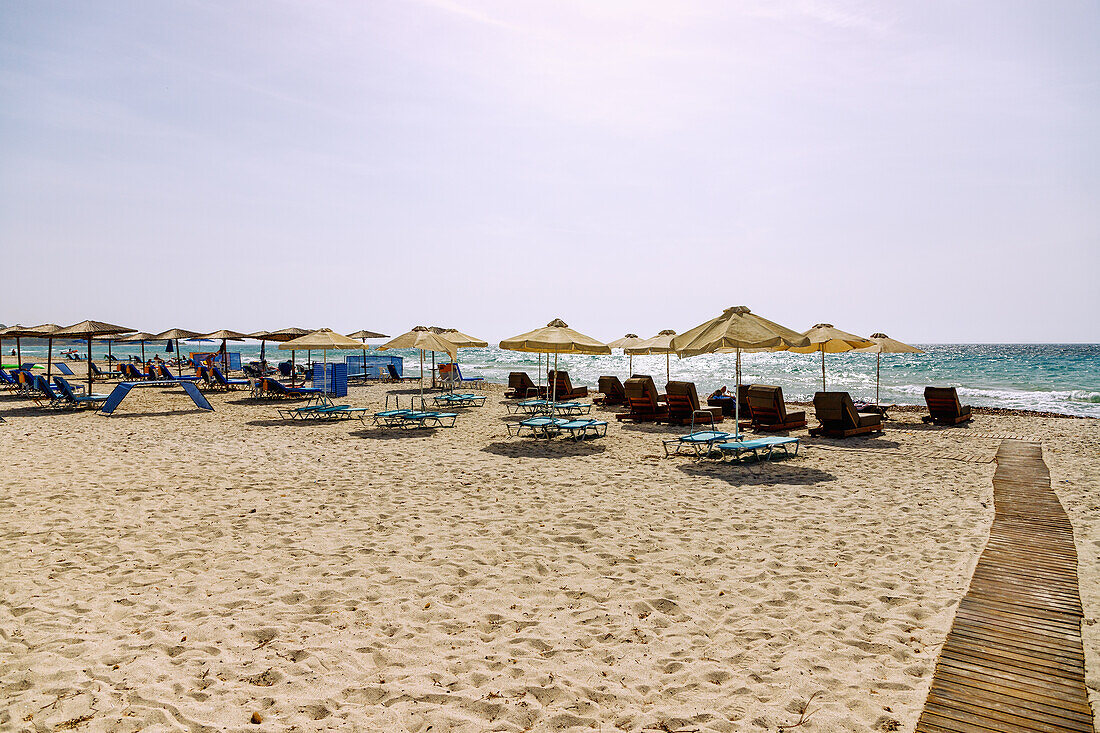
{"points": [[926, 169]]}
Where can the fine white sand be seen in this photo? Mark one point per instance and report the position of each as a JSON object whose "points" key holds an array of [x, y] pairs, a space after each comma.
{"points": [[166, 569]]}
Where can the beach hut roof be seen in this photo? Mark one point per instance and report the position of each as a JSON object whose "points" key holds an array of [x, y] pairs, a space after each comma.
{"points": [[324, 339], [826, 337], [422, 338], [84, 329], [555, 338], [737, 328]]}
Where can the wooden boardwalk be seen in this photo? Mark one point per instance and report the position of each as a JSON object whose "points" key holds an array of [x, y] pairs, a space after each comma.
{"points": [[1013, 660]]}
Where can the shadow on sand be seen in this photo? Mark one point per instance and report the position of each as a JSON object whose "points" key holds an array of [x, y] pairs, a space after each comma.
{"points": [[542, 448], [755, 474]]}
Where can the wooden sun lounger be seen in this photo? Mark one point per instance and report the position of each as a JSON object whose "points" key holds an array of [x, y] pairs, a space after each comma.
{"points": [[520, 387], [561, 389], [769, 412], [839, 419], [943, 406], [612, 390], [643, 400], [684, 407]]}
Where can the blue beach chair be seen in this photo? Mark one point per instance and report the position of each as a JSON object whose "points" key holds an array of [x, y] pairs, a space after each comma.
{"points": [[759, 448], [698, 441], [222, 381], [64, 369], [583, 429], [78, 400]]}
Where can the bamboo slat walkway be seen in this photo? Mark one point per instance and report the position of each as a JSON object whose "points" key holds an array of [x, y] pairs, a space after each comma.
{"points": [[1013, 661]]}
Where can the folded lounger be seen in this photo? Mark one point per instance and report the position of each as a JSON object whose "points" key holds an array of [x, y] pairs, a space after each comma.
{"points": [[520, 386], [759, 448], [944, 407], [684, 407], [702, 442], [612, 392], [839, 419], [769, 412], [643, 400]]}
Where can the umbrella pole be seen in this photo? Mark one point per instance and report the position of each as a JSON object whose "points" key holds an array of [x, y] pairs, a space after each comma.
{"points": [[737, 400], [49, 357], [293, 369], [433, 370], [554, 397], [422, 378], [823, 370], [143, 354], [110, 360], [89, 364], [668, 367], [630, 369], [878, 375], [19, 353]]}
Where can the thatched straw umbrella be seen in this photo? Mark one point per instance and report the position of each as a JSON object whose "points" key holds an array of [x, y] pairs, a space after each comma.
{"points": [[88, 330]]}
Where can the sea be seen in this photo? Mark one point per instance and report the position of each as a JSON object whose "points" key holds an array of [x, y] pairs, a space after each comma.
{"points": [[1062, 378]]}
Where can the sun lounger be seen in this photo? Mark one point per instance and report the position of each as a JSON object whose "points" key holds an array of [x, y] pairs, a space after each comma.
{"points": [[7, 380], [582, 429], [520, 386], [428, 419], [769, 412], [839, 419], [451, 376], [612, 392], [75, 400], [226, 382], [395, 377], [459, 400], [643, 400], [274, 389], [759, 448], [44, 395], [323, 412], [701, 442], [944, 407], [166, 374], [538, 427], [570, 408], [64, 368], [129, 371], [684, 407], [529, 407], [561, 388]]}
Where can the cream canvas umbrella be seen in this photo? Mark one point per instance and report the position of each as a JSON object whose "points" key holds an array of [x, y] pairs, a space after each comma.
{"points": [[827, 339], [459, 339], [87, 330], [625, 343], [735, 330], [175, 334], [659, 344], [364, 335], [139, 337], [883, 344], [324, 340], [555, 338], [226, 335], [422, 339]]}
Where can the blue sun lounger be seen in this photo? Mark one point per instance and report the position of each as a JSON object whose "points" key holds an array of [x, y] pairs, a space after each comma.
{"points": [[459, 400], [759, 448], [64, 368], [8, 380], [529, 407], [323, 412], [222, 381], [583, 429], [419, 419], [538, 427], [571, 408], [697, 441], [72, 399]]}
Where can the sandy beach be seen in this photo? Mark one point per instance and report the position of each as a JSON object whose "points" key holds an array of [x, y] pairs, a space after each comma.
{"points": [[166, 569]]}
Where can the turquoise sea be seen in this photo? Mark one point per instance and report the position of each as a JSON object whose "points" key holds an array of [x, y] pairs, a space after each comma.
{"points": [[1062, 378]]}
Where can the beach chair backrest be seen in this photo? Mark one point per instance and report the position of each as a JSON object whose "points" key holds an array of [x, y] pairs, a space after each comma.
{"points": [[611, 386], [392, 371], [43, 386], [641, 393], [836, 408], [95, 369], [559, 379], [683, 395], [519, 381], [218, 376], [766, 403], [66, 388], [943, 401]]}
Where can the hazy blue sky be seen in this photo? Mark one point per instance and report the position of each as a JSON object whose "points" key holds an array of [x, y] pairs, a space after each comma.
{"points": [[927, 169]]}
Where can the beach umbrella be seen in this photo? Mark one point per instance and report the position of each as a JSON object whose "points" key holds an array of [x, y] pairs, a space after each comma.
{"points": [[423, 339], [16, 332], [883, 344], [659, 344], [43, 331], [364, 335], [735, 330], [88, 330], [324, 340], [626, 342], [175, 334], [139, 337], [459, 339], [47, 330], [827, 339], [225, 335], [555, 338], [281, 336]]}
